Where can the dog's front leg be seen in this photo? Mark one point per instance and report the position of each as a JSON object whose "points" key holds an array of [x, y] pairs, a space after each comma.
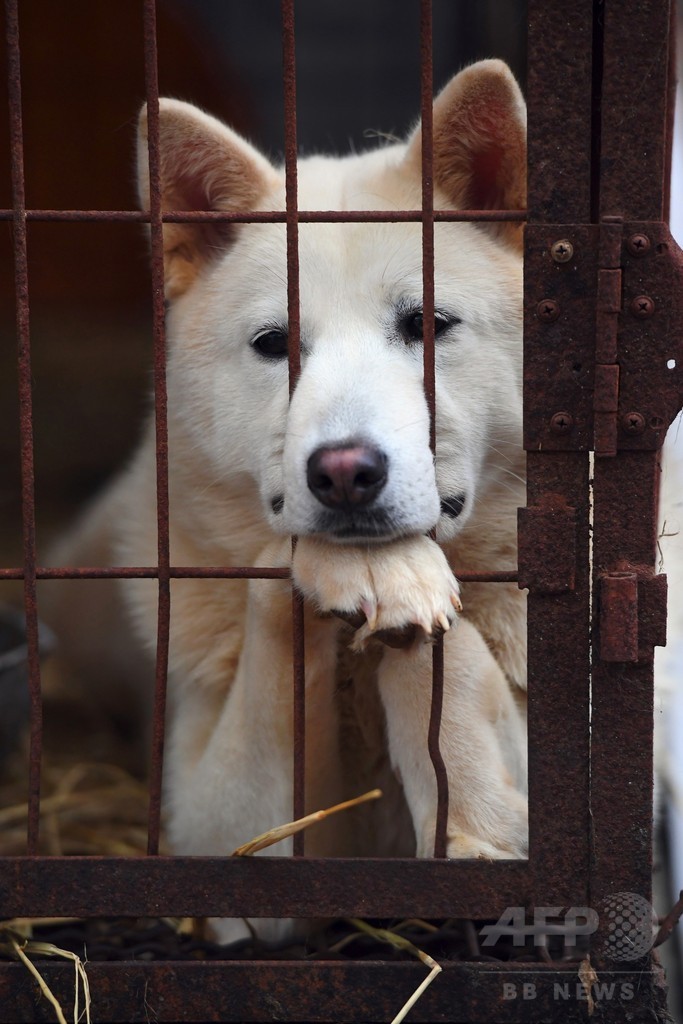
{"points": [[405, 590], [238, 782], [482, 743]]}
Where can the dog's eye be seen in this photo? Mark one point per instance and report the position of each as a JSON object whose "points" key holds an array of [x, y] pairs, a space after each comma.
{"points": [[412, 325], [271, 344]]}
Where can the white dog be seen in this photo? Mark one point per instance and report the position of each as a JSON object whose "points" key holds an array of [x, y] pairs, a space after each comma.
{"points": [[347, 467]]}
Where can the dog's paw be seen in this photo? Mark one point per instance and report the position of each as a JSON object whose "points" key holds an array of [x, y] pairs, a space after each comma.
{"points": [[503, 835], [462, 846], [510, 844], [397, 593]]}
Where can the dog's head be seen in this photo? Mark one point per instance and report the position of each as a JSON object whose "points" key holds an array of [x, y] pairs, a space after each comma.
{"points": [[349, 456]]}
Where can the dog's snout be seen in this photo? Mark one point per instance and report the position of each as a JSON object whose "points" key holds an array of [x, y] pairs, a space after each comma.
{"points": [[347, 477]]}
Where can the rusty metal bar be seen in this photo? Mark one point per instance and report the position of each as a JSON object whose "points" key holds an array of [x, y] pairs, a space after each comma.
{"points": [[291, 191], [427, 159], [558, 706], [161, 424], [555, 573], [294, 356], [434, 747], [262, 887], [672, 83], [239, 991], [26, 420], [558, 356], [621, 758], [269, 217], [213, 572], [634, 116], [634, 94], [559, 81]]}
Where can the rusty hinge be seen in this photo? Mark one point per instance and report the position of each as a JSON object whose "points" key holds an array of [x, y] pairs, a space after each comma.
{"points": [[632, 614], [608, 307], [559, 328], [603, 358], [650, 340]]}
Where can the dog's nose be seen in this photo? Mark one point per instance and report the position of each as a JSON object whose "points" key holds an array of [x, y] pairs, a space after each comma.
{"points": [[348, 476]]}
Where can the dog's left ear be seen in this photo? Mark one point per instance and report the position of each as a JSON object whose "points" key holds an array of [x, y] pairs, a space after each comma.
{"points": [[479, 144]]}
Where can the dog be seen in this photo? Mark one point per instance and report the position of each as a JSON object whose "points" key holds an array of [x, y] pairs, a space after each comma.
{"points": [[383, 525]]}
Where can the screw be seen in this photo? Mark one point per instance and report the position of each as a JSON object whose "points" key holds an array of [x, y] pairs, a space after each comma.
{"points": [[633, 423], [638, 244], [561, 423], [642, 306], [548, 310], [562, 251]]}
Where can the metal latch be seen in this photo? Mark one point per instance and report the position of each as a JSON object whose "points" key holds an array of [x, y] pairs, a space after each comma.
{"points": [[632, 614]]}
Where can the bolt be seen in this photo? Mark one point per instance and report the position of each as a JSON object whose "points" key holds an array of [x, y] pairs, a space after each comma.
{"points": [[562, 251], [561, 423], [633, 423], [548, 310], [638, 244], [642, 306]]}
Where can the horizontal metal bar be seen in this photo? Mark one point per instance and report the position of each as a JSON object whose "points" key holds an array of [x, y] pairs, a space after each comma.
{"points": [[351, 991], [151, 572], [268, 217], [211, 572], [259, 887]]}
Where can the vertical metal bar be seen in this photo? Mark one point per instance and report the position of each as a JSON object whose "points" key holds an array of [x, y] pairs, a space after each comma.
{"points": [[634, 104], [440, 831], [291, 191], [635, 90], [672, 83], [559, 102], [624, 532], [161, 424], [26, 418], [426, 104], [559, 180], [294, 333]]}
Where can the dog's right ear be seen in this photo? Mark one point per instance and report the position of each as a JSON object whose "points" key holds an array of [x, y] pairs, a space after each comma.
{"points": [[479, 144], [203, 166]]}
